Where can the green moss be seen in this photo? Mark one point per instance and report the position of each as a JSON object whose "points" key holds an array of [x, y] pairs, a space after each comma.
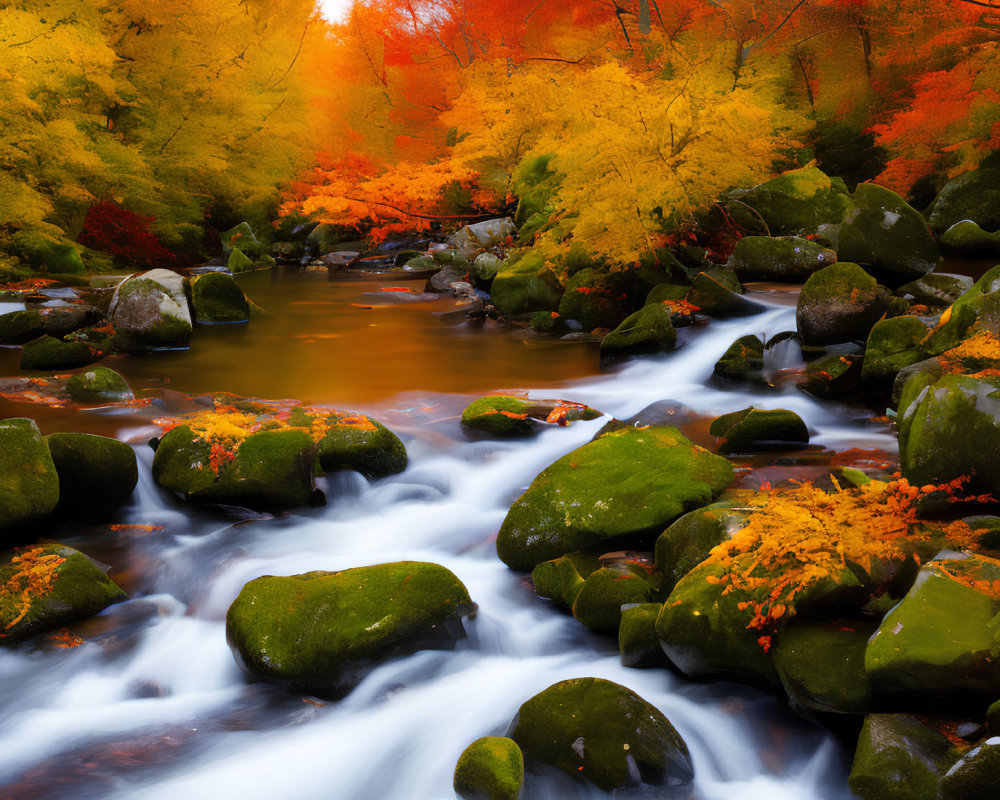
{"points": [[98, 385], [29, 484], [49, 353], [785, 258], [557, 580], [525, 284], [974, 776], [217, 297], [598, 604], [898, 758], [716, 300], [743, 361], [689, 540], [648, 330], [150, 311], [491, 768], [321, 631], [968, 237], [966, 311], [499, 415], [638, 644], [666, 291], [19, 327], [893, 344], [798, 201], [751, 428], [62, 585], [242, 237], [834, 375], [627, 484], [47, 254], [973, 195], [604, 733], [549, 322], [838, 304], [371, 449], [595, 298], [238, 262], [96, 474]]}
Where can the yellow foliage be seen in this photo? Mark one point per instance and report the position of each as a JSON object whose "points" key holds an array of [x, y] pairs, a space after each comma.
{"points": [[33, 571]]}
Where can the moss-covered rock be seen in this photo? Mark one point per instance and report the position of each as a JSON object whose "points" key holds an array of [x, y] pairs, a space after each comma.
{"points": [[822, 666], [975, 776], [526, 284], [648, 330], [360, 443], [664, 292], [560, 579], [270, 470], [886, 233], [604, 733], [743, 362], [98, 385], [936, 288], [29, 484], [638, 644], [689, 540], [951, 429], [549, 322], [941, 638], [46, 586], [491, 768], [150, 311], [711, 297], [753, 428], [797, 201], [499, 415], [480, 235], [972, 309], [898, 758], [48, 353], [705, 633], [322, 631], [596, 298], [96, 474], [598, 604], [838, 304], [48, 254], [241, 237], [238, 262], [217, 297], [893, 344], [779, 258], [834, 375], [973, 195], [968, 237], [625, 485], [19, 327]]}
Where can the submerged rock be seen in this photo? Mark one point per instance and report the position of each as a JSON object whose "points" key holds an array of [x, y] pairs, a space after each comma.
{"points": [[29, 484], [602, 732], [98, 385], [20, 327], [898, 758], [499, 415], [46, 586], [627, 484], [149, 311], [321, 632], [491, 768], [217, 297], [743, 361], [96, 474], [48, 353], [838, 304]]}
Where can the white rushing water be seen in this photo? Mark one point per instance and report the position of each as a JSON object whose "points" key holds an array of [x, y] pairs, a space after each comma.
{"points": [[155, 707]]}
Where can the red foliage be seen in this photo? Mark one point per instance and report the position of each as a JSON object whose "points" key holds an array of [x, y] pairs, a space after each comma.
{"points": [[124, 234]]}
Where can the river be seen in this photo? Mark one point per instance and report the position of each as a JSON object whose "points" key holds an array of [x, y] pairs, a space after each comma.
{"points": [[151, 703]]}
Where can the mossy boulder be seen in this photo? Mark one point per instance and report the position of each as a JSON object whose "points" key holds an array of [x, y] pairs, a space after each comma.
{"points": [[951, 429], [977, 306], [48, 254], [711, 297], [217, 297], [98, 385], [549, 322], [638, 644], [626, 485], [754, 428], [689, 540], [648, 330], [238, 262], [898, 758], [598, 604], [893, 344], [602, 732], [968, 237], [241, 237], [46, 586], [360, 443], [499, 415], [321, 632], [838, 304], [941, 639], [822, 666], [798, 201], [29, 483], [973, 195], [834, 375], [975, 776], [936, 288], [561, 579], [19, 327], [96, 474], [47, 353], [149, 311], [706, 634], [526, 284], [270, 470], [596, 298], [887, 234], [743, 362], [491, 768], [779, 258]]}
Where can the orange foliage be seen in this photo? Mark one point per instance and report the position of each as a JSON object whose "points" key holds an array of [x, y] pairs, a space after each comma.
{"points": [[33, 573]]}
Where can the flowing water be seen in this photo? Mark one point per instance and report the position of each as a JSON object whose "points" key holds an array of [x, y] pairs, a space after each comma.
{"points": [[152, 705]]}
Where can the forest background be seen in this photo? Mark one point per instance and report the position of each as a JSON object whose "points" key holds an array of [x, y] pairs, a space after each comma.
{"points": [[132, 132]]}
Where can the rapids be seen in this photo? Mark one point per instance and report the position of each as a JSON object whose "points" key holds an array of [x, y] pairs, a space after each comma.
{"points": [[151, 705]]}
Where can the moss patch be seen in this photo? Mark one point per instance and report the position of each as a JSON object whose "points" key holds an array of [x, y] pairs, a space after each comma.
{"points": [[29, 484], [491, 768]]}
